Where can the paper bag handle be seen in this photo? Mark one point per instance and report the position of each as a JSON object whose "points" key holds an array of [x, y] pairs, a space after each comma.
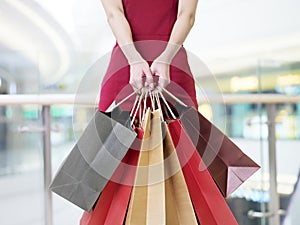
{"points": [[168, 107], [123, 100], [174, 97], [137, 107]]}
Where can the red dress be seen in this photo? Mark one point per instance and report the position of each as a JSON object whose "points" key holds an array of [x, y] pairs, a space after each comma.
{"points": [[151, 23]]}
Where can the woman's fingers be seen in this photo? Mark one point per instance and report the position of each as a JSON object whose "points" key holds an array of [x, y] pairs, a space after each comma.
{"points": [[136, 84], [138, 73], [141, 70], [163, 82], [149, 79], [136, 76], [162, 70]]}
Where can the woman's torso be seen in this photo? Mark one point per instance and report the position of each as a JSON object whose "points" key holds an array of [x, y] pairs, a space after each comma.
{"points": [[151, 19]]}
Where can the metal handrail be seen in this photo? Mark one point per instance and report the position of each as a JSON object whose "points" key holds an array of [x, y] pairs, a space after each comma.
{"points": [[70, 99], [39, 99]]}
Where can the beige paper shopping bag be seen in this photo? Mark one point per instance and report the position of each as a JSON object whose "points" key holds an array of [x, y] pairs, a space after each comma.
{"points": [[147, 204]]}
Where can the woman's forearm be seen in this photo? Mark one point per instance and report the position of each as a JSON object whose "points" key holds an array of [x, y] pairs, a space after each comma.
{"points": [[122, 32], [117, 21], [121, 29], [181, 29], [185, 21]]}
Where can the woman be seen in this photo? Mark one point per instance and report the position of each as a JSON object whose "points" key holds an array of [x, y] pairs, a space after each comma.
{"points": [[167, 22], [149, 35]]}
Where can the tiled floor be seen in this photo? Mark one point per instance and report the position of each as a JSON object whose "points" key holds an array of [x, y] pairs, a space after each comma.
{"points": [[21, 202], [21, 192]]}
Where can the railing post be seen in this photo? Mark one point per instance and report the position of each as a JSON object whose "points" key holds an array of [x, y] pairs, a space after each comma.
{"points": [[274, 211], [274, 197], [48, 214]]}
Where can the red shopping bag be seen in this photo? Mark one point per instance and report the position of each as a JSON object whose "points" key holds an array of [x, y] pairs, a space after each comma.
{"points": [[112, 204], [179, 207], [209, 204]]}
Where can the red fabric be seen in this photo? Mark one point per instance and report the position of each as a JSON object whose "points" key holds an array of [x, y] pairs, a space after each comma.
{"points": [[209, 204], [151, 23], [111, 206], [151, 19]]}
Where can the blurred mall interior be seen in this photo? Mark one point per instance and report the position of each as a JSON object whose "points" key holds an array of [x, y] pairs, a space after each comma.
{"points": [[235, 48]]}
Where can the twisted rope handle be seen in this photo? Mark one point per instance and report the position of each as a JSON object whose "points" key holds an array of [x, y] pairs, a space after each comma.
{"points": [[152, 100], [145, 104], [174, 97], [123, 100], [168, 107], [134, 105], [159, 106], [140, 107], [140, 97]]}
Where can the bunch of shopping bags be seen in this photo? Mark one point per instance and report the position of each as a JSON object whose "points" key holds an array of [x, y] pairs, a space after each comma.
{"points": [[161, 163]]}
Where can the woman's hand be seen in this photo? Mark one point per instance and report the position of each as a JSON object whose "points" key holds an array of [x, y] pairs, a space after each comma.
{"points": [[161, 65], [141, 76], [162, 70], [140, 73]]}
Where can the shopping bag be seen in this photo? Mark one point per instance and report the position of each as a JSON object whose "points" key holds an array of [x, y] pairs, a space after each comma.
{"points": [[227, 164], [209, 204], [93, 160], [179, 208], [147, 203], [112, 204], [117, 114]]}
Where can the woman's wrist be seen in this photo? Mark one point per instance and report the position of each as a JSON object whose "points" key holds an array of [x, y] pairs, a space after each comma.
{"points": [[168, 54], [131, 54]]}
